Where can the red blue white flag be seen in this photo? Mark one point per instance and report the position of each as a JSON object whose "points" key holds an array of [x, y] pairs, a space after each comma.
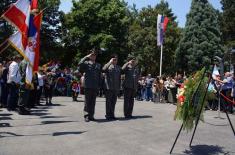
{"points": [[18, 15], [161, 28], [30, 50]]}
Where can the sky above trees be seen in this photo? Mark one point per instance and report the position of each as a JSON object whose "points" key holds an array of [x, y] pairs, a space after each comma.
{"points": [[179, 7]]}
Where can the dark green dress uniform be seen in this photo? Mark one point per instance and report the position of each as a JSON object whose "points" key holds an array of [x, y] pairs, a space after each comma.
{"points": [[112, 85], [24, 90], [91, 85], [130, 87]]}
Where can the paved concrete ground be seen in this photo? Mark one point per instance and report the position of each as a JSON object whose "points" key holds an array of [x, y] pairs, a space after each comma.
{"points": [[61, 130]]}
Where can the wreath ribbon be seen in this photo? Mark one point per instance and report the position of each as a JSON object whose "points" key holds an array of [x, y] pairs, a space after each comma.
{"points": [[227, 99]]}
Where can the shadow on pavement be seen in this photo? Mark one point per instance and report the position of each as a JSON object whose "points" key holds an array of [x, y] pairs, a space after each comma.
{"points": [[205, 150], [54, 122], [10, 134], [44, 117], [122, 119], [56, 105], [5, 114], [5, 118], [103, 120], [134, 117], [39, 113], [80, 101], [38, 110], [3, 125], [216, 124], [67, 133]]}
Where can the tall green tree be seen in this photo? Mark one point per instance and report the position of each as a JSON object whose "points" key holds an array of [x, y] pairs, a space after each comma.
{"points": [[228, 22], [51, 31], [142, 39], [201, 39], [5, 29], [100, 24]]}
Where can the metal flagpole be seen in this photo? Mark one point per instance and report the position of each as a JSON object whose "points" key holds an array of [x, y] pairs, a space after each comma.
{"points": [[160, 74]]}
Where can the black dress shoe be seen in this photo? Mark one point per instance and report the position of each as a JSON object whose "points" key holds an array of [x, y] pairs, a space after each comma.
{"points": [[114, 118], [128, 117], [91, 118], [86, 119], [23, 111], [108, 118]]}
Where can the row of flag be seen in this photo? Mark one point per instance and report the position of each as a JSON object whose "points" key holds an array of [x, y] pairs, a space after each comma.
{"points": [[24, 17]]}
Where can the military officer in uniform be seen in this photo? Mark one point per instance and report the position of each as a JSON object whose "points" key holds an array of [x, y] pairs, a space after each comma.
{"points": [[130, 82], [112, 84], [24, 90], [92, 71]]}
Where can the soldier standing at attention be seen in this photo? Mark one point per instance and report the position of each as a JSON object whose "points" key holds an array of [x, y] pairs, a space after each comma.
{"points": [[92, 77], [130, 83], [24, 90], [112, 85]]}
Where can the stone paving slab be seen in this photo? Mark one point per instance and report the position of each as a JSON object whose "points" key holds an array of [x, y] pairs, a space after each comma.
{"points": [[61, 130]]}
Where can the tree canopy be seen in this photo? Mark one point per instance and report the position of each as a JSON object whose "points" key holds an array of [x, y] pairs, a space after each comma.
{"points": [[228, 22], [100, 24], [142, 39], [201, 40]]}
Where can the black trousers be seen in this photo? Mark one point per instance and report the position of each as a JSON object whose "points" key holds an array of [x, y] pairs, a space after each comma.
{"points": [[23, 98], [13, 96], [129, 95], [90, 99], [4, 91], [111, 99], [39, 94], [32, 101]]}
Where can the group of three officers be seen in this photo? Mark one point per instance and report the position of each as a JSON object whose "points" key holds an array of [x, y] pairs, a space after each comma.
{"points": [[113, 72]]}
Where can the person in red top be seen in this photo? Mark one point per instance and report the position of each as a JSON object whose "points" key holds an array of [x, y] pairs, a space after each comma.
{"points": [[75, 90]]}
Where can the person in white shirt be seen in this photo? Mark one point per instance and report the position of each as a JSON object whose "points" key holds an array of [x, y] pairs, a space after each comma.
{"points": [[40, 85], [13, 81]]}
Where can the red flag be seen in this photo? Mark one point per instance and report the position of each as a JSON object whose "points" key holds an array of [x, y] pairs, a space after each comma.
{"points": [[37, 24], [17, 15], [34, 4], [166, 20]]}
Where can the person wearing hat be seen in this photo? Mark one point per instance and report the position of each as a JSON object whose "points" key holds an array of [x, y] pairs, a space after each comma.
{"points": [[92, 71], [112, 85], [130, 83]]}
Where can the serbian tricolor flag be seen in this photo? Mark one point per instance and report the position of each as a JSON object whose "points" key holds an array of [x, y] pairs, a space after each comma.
{"points": [[161, 28], [28, 43], [31, 53]]}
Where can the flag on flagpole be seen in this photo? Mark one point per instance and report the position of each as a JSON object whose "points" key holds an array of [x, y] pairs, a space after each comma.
{"points": [[18, 15], [37, 23], [34, 5], [161, 28], [30, 50]]}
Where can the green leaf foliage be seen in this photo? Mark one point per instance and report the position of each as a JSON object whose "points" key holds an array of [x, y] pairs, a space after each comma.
{"points": [[100, 24], [228, 22], [51, 31], [142, 39], [5, 30], [195, 90], [201, 39]]}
